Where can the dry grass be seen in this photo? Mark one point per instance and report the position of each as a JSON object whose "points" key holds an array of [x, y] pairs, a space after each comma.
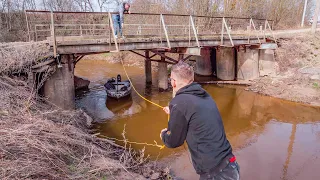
{"points": [[19, 56], [295, 53], [39, 141], [298, 51]]}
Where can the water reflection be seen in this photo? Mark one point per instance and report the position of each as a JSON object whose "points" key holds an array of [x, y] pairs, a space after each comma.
{"points": [[272, 138]]}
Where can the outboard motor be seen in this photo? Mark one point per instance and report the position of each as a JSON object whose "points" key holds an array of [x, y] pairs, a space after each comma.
{"points": [[118, 78]]}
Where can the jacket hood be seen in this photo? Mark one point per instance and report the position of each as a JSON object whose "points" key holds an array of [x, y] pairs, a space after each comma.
{"points": [[193, 89]]}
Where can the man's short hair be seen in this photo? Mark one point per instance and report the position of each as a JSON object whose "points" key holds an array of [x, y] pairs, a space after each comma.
{"points": [[183, 71], [127, 4]]}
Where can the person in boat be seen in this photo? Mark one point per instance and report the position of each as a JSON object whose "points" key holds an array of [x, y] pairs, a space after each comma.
{"points": [[119, 7], [194, 117]]}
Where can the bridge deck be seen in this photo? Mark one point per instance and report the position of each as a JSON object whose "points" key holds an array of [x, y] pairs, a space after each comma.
{"points": [[98, 44]]}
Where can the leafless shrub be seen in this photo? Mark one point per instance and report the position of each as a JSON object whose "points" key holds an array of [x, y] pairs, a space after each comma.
{"points": [[19, 56]]}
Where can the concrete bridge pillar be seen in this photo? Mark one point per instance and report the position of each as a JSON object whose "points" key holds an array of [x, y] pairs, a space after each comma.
{"points": [[248, 65], [162, 76], [59, 88], [225, 58], [267, 64], [147, 68], [203, 63]]}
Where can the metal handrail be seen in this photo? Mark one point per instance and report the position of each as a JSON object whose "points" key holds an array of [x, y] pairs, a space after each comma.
{"points": [[161, 27]]}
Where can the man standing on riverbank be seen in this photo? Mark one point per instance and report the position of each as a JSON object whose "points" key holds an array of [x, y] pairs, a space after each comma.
{"points": [[194, 117], [120, 7]]}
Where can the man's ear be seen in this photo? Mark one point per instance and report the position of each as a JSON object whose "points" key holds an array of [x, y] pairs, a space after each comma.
{"points": [[174, 84]]}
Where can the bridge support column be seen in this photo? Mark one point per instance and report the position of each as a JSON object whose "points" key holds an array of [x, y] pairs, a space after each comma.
{"points": [[162, 75], [225, 58], [248, 65], [203, 63], [59, 88], [147, 68], [267, 64]]}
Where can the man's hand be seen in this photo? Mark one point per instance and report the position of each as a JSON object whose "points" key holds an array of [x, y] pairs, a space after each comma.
{"points": [[129, 12], [121, 24], [163, 130], [166, 109]]}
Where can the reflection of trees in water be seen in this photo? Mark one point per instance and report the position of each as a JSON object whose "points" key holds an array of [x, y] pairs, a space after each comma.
{"points": [[289, 150], [248, 113]]}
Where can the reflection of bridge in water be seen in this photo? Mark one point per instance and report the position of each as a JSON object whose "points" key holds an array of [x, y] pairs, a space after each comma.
{"points": [[228, 47]]}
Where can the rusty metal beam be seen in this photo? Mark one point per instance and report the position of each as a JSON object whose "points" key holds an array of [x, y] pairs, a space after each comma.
{"points": [[159, 61], [186, 58], [164, 56], [78, 59], [153, 56], [141, 54], [137, 53], [181, 56]]}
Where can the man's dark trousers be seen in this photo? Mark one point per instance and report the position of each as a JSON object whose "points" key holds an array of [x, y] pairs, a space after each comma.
{"points": [[230, 172]]}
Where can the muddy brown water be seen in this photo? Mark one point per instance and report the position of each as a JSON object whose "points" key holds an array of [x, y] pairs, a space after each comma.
{"points": [[272, 138]]}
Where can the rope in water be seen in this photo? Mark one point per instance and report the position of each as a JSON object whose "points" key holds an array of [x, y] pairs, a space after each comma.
{"points": [[156, 144], [125, 71]]}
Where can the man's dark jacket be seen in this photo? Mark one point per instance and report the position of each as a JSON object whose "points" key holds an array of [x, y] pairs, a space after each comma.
{"points": [[194, 117]]}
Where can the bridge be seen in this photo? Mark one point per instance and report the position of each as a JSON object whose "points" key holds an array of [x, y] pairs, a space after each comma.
{"points": [[230, 48]]}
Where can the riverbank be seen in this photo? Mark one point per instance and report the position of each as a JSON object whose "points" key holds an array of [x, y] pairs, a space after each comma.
{"points": [[298, 73], [40, 141]]}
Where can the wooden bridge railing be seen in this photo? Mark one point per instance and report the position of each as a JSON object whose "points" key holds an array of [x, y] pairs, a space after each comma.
{"points": [[164, 27]]}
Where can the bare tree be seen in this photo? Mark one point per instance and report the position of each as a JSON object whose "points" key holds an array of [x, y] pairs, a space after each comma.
{"points": [[102, 3]]}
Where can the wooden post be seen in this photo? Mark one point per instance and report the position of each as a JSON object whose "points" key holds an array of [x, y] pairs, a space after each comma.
{"points": [[25, 13], [255, 30], [110, 31], [315, 18], [160, 31], [228, 31], [35, 31], [265, 28], [165, 31], [194, 31], [114, 35], [53, 35], [304, 12], [181, 56], [189, 33], [249, 31], [147, 68], [162, 75], [222, 31], [274, 37]]}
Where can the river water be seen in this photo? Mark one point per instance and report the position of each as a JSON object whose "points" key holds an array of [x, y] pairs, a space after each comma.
{"points": [[272, 138]]}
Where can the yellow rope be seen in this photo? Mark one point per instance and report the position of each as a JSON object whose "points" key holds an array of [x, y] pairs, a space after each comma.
{"points": [[155, 145], [125, 71], [136, 90]]}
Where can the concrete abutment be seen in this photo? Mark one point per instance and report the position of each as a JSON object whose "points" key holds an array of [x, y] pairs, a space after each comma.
{"points": [[225, 58], [203, 63], [59, 88]]}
